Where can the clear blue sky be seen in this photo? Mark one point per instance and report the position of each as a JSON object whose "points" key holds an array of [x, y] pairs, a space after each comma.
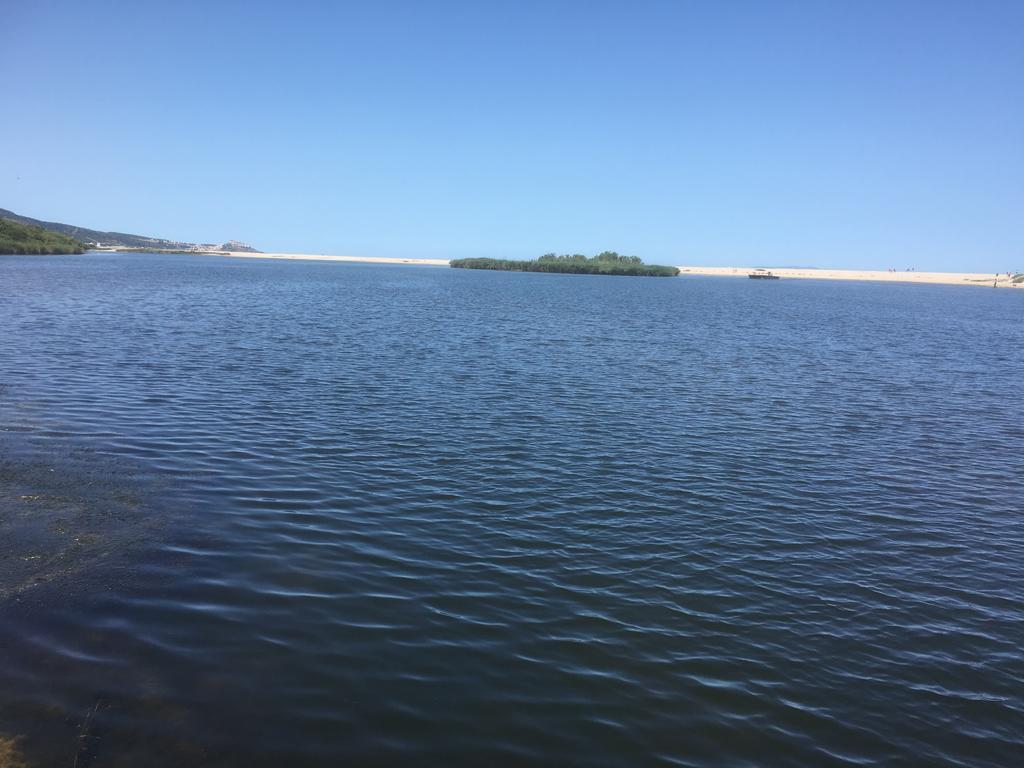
{"points": [[862, 134]]}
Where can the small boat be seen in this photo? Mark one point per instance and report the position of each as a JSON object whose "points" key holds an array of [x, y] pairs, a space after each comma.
{"points": [[762, 274]]}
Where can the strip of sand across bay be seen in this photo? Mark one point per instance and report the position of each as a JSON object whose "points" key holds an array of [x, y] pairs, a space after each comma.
{"points": [[1002, 280], [327, 257]]}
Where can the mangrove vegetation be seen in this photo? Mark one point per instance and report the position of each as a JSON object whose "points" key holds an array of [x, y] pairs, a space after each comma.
{"points": [[606, 263]]}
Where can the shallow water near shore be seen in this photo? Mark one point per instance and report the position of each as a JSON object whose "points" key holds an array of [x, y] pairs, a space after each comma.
{"points": [[260, 513]]}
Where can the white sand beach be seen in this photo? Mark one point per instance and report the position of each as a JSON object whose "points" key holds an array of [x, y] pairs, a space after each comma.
{"points": [[327, 257], [1003, 280], [947, 278]]}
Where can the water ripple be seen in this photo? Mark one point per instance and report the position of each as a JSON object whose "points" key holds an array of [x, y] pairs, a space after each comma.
{"points": [[263, 514]]}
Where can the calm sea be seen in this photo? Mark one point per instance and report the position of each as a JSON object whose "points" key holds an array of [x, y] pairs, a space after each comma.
{"points": [[314, 514]]}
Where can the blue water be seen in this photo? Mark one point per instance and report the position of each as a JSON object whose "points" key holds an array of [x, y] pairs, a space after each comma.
{"points": [[258, 513]]}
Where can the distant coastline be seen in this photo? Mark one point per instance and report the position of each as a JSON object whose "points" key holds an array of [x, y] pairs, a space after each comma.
{"points": [[984, 279], [22, 234], [99, 240], [326, 257]]}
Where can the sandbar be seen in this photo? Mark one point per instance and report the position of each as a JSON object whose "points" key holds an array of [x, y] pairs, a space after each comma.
{"points": [[327, 257], [983, 279], [986, 279]]}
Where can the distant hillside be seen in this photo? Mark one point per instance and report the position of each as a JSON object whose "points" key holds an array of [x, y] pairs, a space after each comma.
{"points": [[234, 245], [93, 236], [16, 237], [119, 239]]}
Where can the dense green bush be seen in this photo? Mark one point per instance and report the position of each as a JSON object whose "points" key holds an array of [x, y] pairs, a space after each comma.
{"points": [[606, 263], [22, 238]]}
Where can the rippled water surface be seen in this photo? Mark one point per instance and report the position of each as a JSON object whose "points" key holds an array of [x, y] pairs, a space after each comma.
{"points": [[258, 513]]}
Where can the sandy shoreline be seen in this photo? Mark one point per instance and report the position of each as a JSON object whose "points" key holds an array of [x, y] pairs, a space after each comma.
{"points": [[325, 257], [943, 278], [934, 278]]}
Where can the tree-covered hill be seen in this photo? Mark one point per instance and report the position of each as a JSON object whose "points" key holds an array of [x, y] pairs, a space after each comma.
{"points": [[23, 238], [606, 263]]}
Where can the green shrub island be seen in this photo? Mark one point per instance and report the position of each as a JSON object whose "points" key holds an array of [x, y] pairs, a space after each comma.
{"points": [[606, 263], [22, 238]]}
